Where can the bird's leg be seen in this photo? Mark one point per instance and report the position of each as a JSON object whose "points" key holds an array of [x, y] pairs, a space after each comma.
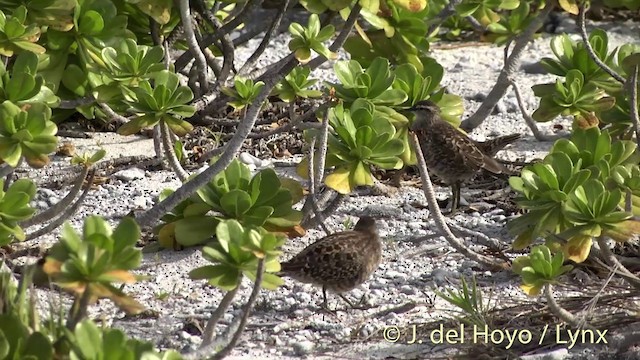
{"points": [[361, 305], [455, 197], [325, 304]]}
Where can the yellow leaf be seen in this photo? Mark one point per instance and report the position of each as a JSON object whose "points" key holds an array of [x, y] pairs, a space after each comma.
{"points": [[303, 168], [339, 181], [577, 248], [570, 6], [412, 5], [51, 266], [159, 10], [361, 175], [531, 290], [167, 236], [121, 276], [522, 241]]}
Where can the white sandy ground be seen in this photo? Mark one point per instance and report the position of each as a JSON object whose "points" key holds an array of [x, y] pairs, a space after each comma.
{"points": [[286, 323]]}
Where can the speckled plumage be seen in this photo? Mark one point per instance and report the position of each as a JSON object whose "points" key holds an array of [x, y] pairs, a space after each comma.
{"points": [[449, 153], [338, 262]]}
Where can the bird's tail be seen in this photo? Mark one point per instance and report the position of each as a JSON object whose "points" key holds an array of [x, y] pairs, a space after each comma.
{"points": [[491, 147]]}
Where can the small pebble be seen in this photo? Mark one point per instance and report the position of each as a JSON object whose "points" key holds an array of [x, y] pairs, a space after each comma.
{"points": [[127, 175], [302, 348]]}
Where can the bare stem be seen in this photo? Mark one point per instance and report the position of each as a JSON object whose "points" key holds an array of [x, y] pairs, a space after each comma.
{"points": [[58, 208], [171, 154], [633, 101], [582, 27], [79, 309], [506, 75], [611, 259], [439, 219], [64, 216], [209, 330], [194, 47], [266, 39], [560, 312], [528, 119]]}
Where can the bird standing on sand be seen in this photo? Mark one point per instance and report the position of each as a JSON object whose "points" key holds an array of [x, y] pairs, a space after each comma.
{"points": [[449, 153], [338, 262]]}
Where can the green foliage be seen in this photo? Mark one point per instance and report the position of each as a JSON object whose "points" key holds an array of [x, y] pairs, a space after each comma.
{"points": [[165, 101], [26, 133], [485, 10], [305, 39], [572, 55], [373, 84], [128, 62], [576, 193], [54, 14], [244, 92], [396, 33], [95, 260], [14, 208], [16, 35], [88, 160], [469, 301], [236, 253], [510, 26], [88, 342], [296, 85], [539, 268], [18, 342], [22, 85], [263, 200], [362, 138], [573, 97]]}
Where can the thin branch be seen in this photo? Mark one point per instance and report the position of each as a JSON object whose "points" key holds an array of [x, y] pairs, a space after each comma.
{"points": [[582, 27], [171, 154], [439, 219], [115, 117], [610, 258], [157, 142], [531, 123], [74, 103], [633, 101], [183, 60], [443, 15], [311, 197], [266, 39], [64, 216], [209, 330], [59, 207], [207, 352], [79, 309], [562, 313], [506, 75], [194, 47], [227, 48], [341, 38], [6, 169]]}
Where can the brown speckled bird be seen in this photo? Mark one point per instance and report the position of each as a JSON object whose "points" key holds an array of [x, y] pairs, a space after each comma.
{"points": [[451, 154], [338, 262]]}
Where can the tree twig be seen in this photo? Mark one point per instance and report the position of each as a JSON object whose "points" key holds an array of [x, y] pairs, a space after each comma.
{"points": [[582, 27], [266, 39], [59, 207], [171, 154], [531, 123], [194, 47], [506, 74], [70, 211], [209, 330]]}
